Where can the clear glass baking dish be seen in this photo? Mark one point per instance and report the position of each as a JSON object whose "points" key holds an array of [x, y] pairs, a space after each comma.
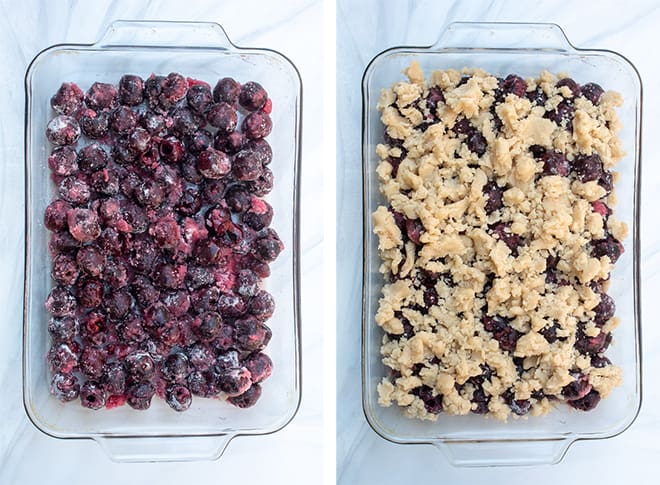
{"points": [[525, 49], [202, 51]]}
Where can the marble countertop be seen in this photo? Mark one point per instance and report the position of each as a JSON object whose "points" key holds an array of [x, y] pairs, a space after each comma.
{"points": [[366, 28], [27, 456]]}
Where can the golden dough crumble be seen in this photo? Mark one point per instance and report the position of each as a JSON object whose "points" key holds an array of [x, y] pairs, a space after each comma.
{"points": [[497, 240]]}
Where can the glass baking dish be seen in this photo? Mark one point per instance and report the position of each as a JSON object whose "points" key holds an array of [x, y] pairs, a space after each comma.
{"points": [[201, 51], [524, 49]]}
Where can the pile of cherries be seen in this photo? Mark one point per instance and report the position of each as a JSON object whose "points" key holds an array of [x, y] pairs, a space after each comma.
{"points": [[160, 240]]}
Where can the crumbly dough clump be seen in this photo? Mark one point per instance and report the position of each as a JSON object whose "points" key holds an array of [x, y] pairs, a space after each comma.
{"points": [[497, 240]]}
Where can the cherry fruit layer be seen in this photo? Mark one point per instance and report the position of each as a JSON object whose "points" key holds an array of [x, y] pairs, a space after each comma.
{"points": [[160, 241]]}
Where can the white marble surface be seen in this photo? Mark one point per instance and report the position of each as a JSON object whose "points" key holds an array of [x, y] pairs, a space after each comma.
{"points": [[364, 29], [27, 456]]}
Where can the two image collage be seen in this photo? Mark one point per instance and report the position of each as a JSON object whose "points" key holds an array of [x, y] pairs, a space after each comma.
{"points": [[328, 242]]}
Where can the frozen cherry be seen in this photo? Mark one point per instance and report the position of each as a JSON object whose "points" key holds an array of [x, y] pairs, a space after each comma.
{"points": [[177, 302], [229, 143], [170, 276], [250, 334], [117, 304], [234, 382], [587, 403], [139, 140], [113, 378], [502, 331], [201, 357], [213, 191], [91, 260], [75, 190], [476, 143], [227, 90], [153, 122], [190, 173], [131, 89], [199, 141], [434, 97], [115, 273], [176, 367], [208, 326], [63, 130], [101, 96], [105, 182], [262, 150], [166, 232], [63, 161], [494, 194], [259, 365], [610, 247], [190, 201], [513, 84], [563, 114], [213, 164], [248, 399], [55, 216], [123, 120], [588, 167], [60, 302], [223, 117], [257, 125], [247, 283], [247, 165], [63, 329], [68, 99], [231, 305], [199, 98], [92, 158], [145, 292], [577, 389], [267, 247], [173, 89], [62, 358], [537, 97], [593, 92], [149, 193], [171, 149], [140, 395], [95, 126], [62, 242], [252, 96], [92, 361], [92, 395], [238, 199], [64, 269], [554, 163], [90, 293], [571, 84], [605, 309], [503, 232], [64, 387], [139, 365], [262, 305], [178, 397]]}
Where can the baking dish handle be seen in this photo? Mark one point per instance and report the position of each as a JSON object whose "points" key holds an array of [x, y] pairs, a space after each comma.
{"points": [[503, 35], [504, 453], [164, 449], [165, 34]]}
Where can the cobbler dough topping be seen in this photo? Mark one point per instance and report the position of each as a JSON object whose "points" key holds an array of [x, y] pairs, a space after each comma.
{"points": [[497, 240]]}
